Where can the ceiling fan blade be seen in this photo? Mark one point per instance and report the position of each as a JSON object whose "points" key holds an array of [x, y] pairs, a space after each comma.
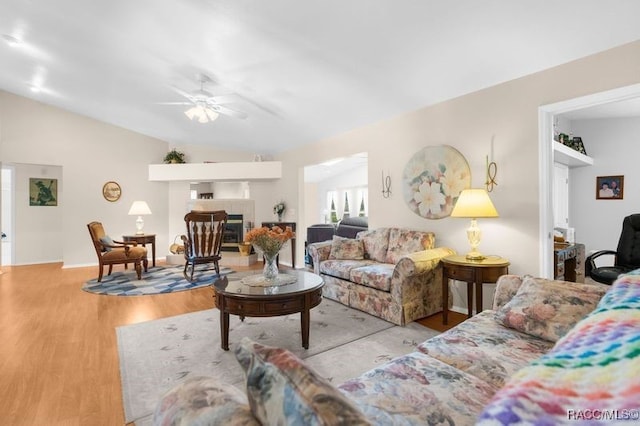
{"points": [[223, 99], [183, 93], [174, 103], [228, 111]]}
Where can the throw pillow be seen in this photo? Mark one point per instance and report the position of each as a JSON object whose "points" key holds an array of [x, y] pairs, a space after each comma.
{"points": [[203, 401], [283, 390], [589, 377], [346, 249], [549, 309], [108, 241]]}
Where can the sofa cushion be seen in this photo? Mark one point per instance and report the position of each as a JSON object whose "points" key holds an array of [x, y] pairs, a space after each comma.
{"points": [[405, 241], [483, 347], [376, 244], [548, 309], [589, 377], [376, 276], [121, 254], [342, 268], [283, 390], [346, 248], [417, 389], [203, 401]]}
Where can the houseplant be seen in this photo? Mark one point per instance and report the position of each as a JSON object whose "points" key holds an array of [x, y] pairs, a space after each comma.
{"points": [[174, 157]]}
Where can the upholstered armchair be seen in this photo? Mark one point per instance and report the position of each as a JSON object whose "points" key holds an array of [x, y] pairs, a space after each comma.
{"points": [[112, 252], [203, 240], [626, 256]]}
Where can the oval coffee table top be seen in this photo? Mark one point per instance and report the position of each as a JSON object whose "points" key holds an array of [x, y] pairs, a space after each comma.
{"points": [[305, 282]]}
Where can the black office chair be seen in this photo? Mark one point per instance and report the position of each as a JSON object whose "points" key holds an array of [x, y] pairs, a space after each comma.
{"points": [[626, 257]]}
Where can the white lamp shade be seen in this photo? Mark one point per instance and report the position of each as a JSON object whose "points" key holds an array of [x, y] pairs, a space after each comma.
{"points": [[139, 208], [474, 203]]}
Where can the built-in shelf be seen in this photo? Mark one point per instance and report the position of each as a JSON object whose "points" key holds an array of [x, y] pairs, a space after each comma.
{"points": [[209, 172], [564, 155]]}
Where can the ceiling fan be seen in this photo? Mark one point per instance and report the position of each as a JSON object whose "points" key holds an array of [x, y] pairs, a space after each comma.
{"points": [[205, 107]]}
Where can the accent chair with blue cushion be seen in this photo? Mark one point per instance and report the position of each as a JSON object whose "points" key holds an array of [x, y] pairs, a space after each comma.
{"points": [[112, 252]]}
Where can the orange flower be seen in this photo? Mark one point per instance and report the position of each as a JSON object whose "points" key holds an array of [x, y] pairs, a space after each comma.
{"points": [[269, 241]]}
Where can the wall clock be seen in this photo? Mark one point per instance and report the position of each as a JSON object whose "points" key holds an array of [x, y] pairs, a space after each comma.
{"points": [[433, 179], [111, 191]]}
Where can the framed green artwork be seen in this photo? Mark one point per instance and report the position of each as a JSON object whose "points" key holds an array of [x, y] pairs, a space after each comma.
{"points": [[43, 192]]}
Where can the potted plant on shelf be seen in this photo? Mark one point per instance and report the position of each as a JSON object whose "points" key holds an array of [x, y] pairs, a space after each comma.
{"points": [[174, 157]]}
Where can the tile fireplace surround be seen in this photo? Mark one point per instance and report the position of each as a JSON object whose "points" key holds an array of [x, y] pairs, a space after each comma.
{"points": [[235, 206]]}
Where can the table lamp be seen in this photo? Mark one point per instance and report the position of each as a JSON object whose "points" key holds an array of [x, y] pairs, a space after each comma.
{"points": [[474, 203], [139, 208]]}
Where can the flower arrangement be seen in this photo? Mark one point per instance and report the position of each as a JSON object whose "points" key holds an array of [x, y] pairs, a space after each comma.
{"points": [[279, 208], [269, 241]]}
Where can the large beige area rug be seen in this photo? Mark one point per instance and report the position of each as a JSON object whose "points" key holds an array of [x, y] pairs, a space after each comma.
{"points": [[157, 355]]}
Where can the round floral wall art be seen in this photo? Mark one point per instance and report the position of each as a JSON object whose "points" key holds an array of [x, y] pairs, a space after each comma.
{"points": [[433, 179]]}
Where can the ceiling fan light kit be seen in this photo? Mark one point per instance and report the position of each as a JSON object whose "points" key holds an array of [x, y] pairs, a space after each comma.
{"points": [[203, 106], [201, 113]]}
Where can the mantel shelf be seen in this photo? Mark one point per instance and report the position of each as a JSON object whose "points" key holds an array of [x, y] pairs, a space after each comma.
{"points": [[210, 172], [564, 155]]}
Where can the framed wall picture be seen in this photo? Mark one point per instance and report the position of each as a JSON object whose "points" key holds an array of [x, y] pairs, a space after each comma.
{"points": [[43, 192], [111, 191], [610, 187]]}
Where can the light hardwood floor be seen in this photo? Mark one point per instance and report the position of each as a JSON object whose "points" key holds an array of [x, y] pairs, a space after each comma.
{"points": [[58, 351]]}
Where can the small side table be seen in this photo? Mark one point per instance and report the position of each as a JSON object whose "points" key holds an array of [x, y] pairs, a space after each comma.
{"points": [[472, 272], [144, 239]]}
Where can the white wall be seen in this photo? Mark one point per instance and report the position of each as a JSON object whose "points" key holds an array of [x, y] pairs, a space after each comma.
{"points": [[505, 117], [613, 145], [91, 153], [38, 229]]}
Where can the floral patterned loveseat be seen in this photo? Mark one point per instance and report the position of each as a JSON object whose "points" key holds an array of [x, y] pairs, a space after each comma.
{"points": [[550, 352], [392, 273]]}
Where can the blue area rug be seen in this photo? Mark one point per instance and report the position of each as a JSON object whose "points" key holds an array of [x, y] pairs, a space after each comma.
{"points": [[161, 279]]}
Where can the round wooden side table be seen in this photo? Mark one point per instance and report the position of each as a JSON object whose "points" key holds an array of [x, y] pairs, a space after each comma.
{"points": [[477, 272]]}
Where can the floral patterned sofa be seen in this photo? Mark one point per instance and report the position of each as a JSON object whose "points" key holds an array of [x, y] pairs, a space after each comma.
{"points": [[550, 352], [392, 273]]}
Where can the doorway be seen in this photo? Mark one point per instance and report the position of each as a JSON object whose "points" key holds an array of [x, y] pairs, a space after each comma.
{"points": [[546, 115], [6, 215]]}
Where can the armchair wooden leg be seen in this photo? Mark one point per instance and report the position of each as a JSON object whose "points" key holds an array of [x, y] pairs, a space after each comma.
{"points": [[145, 262], [101, 270], [136, 264], [111, 268]]}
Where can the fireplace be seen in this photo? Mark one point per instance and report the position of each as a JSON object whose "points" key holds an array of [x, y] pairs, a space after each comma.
{"points": [[233, 233]]}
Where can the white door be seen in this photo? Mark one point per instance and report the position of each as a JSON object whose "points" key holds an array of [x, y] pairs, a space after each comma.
{"points": [[560, 195]]}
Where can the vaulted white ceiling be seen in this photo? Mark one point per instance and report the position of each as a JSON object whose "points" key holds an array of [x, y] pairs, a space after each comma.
{"points": [[301, 70]]}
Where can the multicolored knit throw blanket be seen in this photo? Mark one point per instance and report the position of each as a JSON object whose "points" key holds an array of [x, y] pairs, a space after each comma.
{"points": [[591, 376]]}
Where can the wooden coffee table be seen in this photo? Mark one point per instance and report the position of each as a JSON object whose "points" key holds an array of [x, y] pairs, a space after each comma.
{"points": [[233, 297]]}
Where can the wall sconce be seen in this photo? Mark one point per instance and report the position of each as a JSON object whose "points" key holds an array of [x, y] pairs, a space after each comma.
{"points": [[386, 185], [492, 171]]}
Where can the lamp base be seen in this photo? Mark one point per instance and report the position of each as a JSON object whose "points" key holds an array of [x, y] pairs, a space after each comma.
{"points": [[474, 234], [475, 255], [139, 225]]}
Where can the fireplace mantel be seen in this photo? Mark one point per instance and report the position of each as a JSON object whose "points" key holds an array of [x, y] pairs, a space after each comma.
{"points": [[209, 172]]}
